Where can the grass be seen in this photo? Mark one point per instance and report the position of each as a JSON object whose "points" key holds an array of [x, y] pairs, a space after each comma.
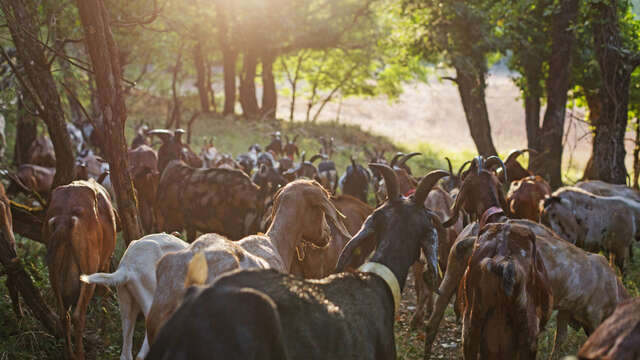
{"points": [[24, 338]]}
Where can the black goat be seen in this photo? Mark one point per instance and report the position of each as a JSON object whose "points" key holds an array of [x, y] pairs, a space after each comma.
{"points": [[173, 148], [275, 145], [270, 315], [355, 181]]}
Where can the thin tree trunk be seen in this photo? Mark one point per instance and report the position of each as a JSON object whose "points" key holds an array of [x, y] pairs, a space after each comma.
{"points": [[549, 162], [229, 56], [26, 134], [471, 86], [75, 109], [19, 15], [636, 156], [532, 95], [248, 99], [177, 106], [594, 103], [21, 281], [616, 67], [209, 85], [269, 95], [201, 77], [105, 60]]}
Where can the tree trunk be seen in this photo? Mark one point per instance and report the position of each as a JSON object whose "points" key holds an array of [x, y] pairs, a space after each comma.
{"points": [[176, 114], [75, 109], [471, 86], [229, 57], [269, 95], [532, 95], [616, 67], [26, 133], [248, 99], [636, 156], [594, 103], [105, 61], [549, 161], [39, 83], [20, 280], [201, 77], [209, 85]]}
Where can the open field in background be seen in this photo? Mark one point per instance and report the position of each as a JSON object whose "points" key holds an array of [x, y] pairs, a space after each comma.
{"points": [[432, 113], [24, 339]]}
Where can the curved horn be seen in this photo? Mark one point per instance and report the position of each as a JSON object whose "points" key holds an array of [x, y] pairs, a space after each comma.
{"points": [[102, 177], [304, 153], [395, 159], [286, 138], [163, 134], [461, 169], [513, 155], [426, 184], [316, 157], [450, 167], [493, 161], [365, 231], [404, 159], [455, 211], [479, 162], [390, 180], [295, 138]]}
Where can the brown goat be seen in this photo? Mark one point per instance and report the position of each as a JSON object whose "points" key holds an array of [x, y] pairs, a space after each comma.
{"points": [[223, 201], [80, 230], [523, 199], [514, 170], [507, 293], [315, 262], [41, 152], [618, 337], [143, 166], [585, 288]]}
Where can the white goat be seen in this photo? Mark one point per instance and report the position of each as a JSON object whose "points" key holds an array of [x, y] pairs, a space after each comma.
{"points": [[135, 280]]}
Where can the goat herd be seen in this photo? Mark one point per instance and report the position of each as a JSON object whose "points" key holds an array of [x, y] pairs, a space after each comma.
{"points": [[509, 260]]}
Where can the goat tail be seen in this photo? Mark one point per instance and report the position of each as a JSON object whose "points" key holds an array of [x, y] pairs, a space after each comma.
{"points": [[119, 277]]}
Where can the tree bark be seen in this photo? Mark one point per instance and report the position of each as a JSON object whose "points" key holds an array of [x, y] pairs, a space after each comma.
{"points": [[549, 161], [594, 103], [209, 85], [532, 95], [269, 95], [26, 133], [229, 57], [636, 156], [471, 86], [39, 83], [106, 66], [248, 99], [176, 115], [201, 77], [616, 67]]}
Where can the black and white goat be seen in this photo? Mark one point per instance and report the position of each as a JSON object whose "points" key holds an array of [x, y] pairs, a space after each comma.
{"points": [[269, 315]]}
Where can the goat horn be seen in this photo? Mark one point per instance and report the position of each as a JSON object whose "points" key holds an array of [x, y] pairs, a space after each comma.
{"points": [[479, 162], [316, 157], [513, 155], [450, 167], [163, 134], [395, 159], [353, 163], [426, 184], [390, 180], [455, 211], [493, 161], [461, 169], [304, 153], [286, 138], [365, 232], [406, 157], [102, 177]]}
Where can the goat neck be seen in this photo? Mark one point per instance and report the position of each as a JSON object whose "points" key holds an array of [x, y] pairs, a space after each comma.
{"points": [[285, 233]]}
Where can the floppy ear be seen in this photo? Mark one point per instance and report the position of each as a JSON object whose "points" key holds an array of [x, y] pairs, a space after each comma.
{"points": [[334, 215], [197, 270], [429, 246]]}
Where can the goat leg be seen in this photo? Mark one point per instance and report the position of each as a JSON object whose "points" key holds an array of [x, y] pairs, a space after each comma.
{"points": [[562, 320], [418, 316]]}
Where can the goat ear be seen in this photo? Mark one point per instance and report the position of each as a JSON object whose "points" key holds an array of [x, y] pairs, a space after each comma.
{"points": [[197, 271], [334, 215], [429, 246], [365, 232]]}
